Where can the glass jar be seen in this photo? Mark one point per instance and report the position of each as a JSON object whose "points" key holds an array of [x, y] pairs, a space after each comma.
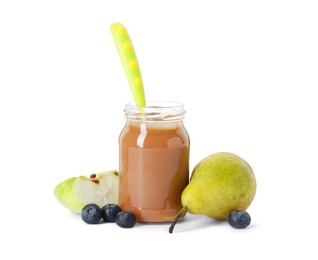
{"points": [[153, 161]]}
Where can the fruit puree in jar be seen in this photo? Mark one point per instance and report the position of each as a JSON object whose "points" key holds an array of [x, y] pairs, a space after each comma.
{"points": [[153, 169]]}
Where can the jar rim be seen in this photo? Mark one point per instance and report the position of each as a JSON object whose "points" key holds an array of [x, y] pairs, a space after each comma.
{"points": [[161, 111]]}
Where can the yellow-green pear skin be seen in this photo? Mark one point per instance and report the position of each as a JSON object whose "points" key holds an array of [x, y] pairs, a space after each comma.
{"points": [[219, 184]]}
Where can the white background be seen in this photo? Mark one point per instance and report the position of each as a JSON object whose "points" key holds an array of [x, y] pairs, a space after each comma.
{"points": [[246, 72]]}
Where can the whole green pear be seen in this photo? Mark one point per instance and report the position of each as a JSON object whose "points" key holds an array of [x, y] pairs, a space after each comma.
{"points": [[219, 184]]}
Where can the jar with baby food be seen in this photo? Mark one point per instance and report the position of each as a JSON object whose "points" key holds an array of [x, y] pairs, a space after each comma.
{"points": [[154, 161]]}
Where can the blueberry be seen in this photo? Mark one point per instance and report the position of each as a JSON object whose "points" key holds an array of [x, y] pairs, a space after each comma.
{"points": [[239, 219], [91, 213], [125, 219], [109, 212]]}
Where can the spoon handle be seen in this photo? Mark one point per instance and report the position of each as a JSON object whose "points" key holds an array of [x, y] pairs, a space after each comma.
{"points": [[129, 61]]}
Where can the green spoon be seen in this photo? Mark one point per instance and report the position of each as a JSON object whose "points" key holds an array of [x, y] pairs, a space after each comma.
{"points": [[129, 61]]}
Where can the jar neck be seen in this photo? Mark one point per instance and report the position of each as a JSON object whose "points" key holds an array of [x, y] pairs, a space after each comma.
{"points": [[155, 112]]}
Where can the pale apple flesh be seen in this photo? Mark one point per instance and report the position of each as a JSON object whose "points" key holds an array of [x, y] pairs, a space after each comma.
{"points": [[74, 193]]}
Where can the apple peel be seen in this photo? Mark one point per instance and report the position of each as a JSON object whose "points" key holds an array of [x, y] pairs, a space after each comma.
{"points": [[74, 193]]}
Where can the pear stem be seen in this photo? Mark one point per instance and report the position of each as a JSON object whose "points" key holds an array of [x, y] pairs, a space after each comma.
{"points": [[181, 213]]}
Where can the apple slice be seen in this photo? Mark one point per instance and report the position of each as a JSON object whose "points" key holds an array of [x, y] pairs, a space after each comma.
{"points": [[76, 192]]}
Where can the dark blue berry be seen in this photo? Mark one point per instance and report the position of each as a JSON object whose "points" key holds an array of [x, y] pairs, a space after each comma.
{"points": [[109, 212], [239, 219], [91, 213], [125, 219]]}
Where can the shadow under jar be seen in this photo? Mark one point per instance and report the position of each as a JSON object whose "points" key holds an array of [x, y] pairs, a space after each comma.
{"points": [[154, 161]]}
